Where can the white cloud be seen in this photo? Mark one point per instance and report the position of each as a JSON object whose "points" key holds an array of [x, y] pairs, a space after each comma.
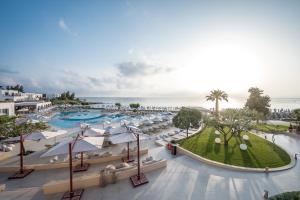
{"points": [[62, 25]]}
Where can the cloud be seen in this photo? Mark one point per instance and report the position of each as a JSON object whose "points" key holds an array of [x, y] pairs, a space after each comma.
{"points": [[123, 79], [62, 25], [7, 71], [131, 69]]}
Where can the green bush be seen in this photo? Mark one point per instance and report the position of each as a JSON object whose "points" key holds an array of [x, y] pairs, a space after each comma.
{"points": [[287, 196]]}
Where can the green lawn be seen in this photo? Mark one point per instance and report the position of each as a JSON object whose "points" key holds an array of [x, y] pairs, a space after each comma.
{"points": [[268, 128], [260, 153]]}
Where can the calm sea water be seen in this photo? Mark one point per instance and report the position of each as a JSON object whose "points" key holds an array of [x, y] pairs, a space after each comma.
{"points": [[278, 103]]}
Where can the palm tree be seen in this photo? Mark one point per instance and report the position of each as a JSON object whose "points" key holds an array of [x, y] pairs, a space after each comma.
{"points": [[217, 95]]}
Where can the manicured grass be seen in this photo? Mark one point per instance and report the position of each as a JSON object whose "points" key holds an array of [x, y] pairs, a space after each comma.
{"points": [[268, 128], [260, 153], [286, 196]]}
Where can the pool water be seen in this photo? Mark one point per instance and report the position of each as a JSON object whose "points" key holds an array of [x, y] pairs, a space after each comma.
{"points": [[73, 119]]}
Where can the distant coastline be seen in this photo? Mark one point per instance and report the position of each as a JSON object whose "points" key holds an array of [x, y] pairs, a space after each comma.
{"points": [[278, 103]]}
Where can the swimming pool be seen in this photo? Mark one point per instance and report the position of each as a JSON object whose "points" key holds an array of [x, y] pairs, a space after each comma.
{"points": [[73, 119]]}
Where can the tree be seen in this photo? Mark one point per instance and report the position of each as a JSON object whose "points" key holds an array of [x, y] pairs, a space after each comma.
{"points": [[63, 96], [9, 128], [297, 115], [256, 101], [118, 105], [134, 106], [217, 95], [17, 87], [68, 95], [186, 118], [232, 123], [72, 96]]}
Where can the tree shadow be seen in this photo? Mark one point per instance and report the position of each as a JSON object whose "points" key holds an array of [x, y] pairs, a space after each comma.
{"points": [[210, 143], [217, 148]]}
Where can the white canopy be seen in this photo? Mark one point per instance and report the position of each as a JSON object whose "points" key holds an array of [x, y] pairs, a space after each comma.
{"points": [[165, 118], [157, 120], [44, 135], [147, 122], [128, 136], [82, 144], [35, 136], [118, 130], [94, 132], [84, 125]]}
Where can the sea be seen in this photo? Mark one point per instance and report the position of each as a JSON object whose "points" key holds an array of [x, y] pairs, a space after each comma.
{"points": [[276, 103]]}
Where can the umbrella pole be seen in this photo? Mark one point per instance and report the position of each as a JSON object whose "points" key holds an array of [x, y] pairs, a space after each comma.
{"points": [[81, 159], [71, 169], [127, 150], [138, 154], [21, 153]]}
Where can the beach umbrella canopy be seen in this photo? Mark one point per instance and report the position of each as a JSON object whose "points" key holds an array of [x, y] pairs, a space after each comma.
{"points": [[84, 125], [165, 118], [36, 136], [147, 122], [44, 135], [156, 120], [130, 135], [118, 130], [82, 144], [93, 132]]}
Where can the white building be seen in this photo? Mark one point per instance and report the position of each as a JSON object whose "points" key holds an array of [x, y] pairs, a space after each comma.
{"points": [[16, 96], [31, 106], [7, 108]]}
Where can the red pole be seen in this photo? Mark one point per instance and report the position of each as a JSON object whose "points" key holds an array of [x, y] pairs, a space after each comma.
{"points": [[81, 153], [127, 151], [71, 169], [138, 154], [21, 153]]}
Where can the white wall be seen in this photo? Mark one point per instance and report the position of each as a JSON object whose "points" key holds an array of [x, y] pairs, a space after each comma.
{"points": [[9, 106]]}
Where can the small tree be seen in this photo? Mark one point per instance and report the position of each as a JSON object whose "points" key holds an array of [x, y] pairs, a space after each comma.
{"points": [[118, 105], [258, 102], [72, 96], [232, 123], [297, 115], [134, 106], [68, 95], [186, 118]]}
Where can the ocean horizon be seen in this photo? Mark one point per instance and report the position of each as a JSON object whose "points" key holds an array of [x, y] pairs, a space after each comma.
{"points": [[276, 103]]}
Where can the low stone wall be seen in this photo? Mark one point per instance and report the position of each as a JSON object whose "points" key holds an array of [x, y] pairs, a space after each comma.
{"points": [[183, 151], [94, 179], [96, 160]]}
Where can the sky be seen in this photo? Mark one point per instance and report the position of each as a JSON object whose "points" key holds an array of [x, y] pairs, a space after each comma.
{"points": [[151, 48]]}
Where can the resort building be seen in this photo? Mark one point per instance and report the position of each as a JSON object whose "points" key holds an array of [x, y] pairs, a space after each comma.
{"points": [[31, 106], [19, 102], [7, 108], [16, 96]]}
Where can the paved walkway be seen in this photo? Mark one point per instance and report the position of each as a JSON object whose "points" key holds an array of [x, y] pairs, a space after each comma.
{"points": [[184, 178]]}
